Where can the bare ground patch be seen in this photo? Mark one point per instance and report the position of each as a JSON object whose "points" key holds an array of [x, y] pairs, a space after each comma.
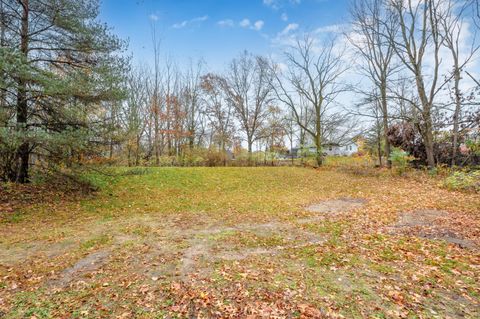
{"points": [[332, 207], [12, 254], [431, 224], [86, 265], [244, 241]]}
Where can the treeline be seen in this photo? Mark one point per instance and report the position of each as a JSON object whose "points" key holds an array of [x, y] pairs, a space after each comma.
{"points": [[406, 69], [192, 117], [251, 113]]}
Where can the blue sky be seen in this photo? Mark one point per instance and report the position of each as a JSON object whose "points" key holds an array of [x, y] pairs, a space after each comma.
{"points": [[216, 30]]}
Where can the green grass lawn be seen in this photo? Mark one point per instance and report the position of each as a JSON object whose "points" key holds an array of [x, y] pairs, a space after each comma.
{"points": [[234, 242]]}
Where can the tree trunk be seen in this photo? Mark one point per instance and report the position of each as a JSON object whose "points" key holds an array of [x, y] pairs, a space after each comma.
{"points": [[302, 144], [191, 139], [111, 149], [428, 140], [169, 137], [456, 115], [23, 152], [155, 137], [427, 118], [2, 25], [224, 152], [250, 146], [379, 145], [291, 149], [318, 136], [380, 153], [137, 152], [2, 44], [385, 124], [129, 156], [265, 156], [319, 155]]}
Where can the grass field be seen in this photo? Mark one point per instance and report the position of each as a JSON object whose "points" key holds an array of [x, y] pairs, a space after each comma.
{"points": [[240, 242]]}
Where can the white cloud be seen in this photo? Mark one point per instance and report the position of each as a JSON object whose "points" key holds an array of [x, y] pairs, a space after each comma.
{"points": [[153, 17], [269, 3], [180, 25], [284, 17], [227, 23], [292, 32], [194, 21], [289, 28], [277, 4], [245, 23], [286, 37], [283, 67], [258, 25]]}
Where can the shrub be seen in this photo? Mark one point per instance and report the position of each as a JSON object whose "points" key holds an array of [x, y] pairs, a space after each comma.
{"points": [[216, 158], [400, 160], [164, 160], [473, 146], [463, 180]]}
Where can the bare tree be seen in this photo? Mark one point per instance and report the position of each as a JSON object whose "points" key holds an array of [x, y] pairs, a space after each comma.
{"points": [[155, 98], [453, 25], [134, 112], [370, 24], [218, 110], [250, 92], [274, 133], [475, 5], [290, 131], [192, 100], [312, 80], [171, 88], [419, 34]]}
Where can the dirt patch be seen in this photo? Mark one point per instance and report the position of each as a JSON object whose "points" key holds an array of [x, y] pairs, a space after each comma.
{"points": [[336, 205], [198, 258], [220, 243], [12, 254], [22, 251], [420, 218], [243, 227], [431, 224], [85, 265], [331, 208], [245, 253], [450, 237], [199, 248]]}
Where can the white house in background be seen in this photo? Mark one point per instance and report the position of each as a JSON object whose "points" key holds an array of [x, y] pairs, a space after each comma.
{"points": [[346, 149], [331, 149]]}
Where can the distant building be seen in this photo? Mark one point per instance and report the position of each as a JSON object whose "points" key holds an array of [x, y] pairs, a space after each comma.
{"points": [[329, 149], [346, 149]]}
